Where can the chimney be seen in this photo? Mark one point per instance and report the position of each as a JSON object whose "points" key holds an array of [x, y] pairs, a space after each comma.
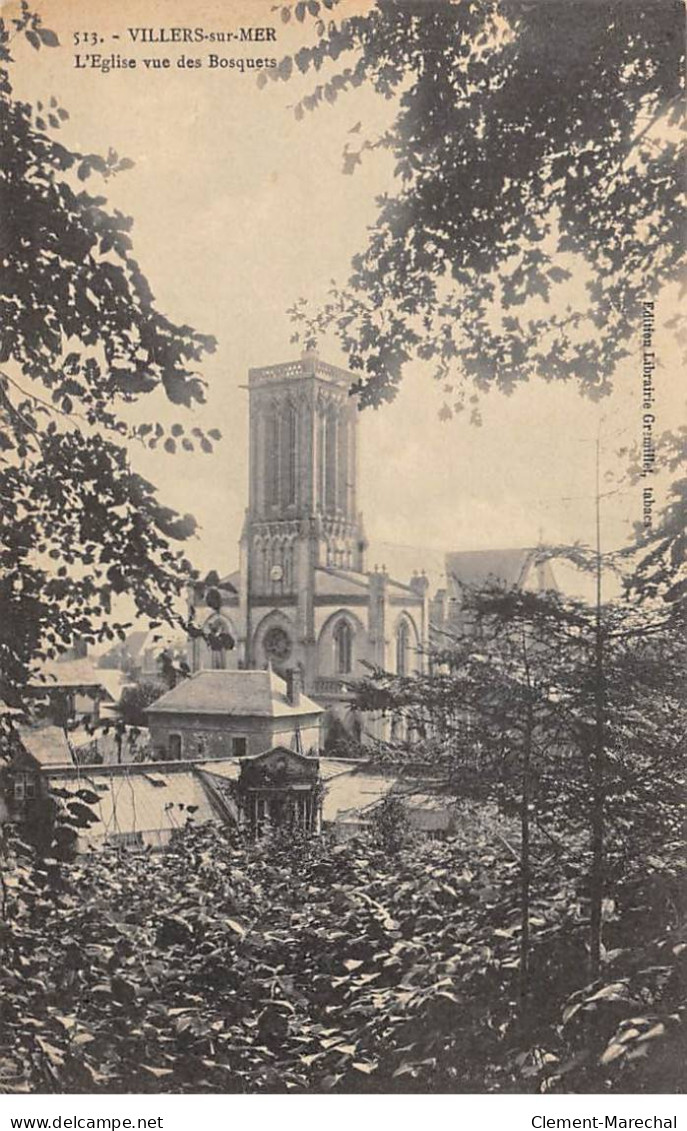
{"points": [[294, 686]]}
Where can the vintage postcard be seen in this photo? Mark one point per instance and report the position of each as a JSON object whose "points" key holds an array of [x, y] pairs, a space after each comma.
{"points": [[342, 722]]}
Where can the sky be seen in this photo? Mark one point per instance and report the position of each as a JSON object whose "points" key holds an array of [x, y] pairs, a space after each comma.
{"points": [[238, 210]]}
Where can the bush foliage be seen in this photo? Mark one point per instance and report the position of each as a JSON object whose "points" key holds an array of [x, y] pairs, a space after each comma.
{"points": [[220, 967]]}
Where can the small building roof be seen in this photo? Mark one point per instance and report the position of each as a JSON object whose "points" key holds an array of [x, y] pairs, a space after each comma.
{"points": [[226, 768], [475, 567], [240, 693], [75, 674], [263, 755], [355, 791], [146, 798], [48, 745], [339, 583]]}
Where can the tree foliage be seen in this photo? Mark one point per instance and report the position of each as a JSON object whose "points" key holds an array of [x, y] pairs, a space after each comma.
{"points": [[530, 140], [216, 967], [393, 963], [659, 560], [537, 199], [135, 699], [518, 710], [81, 340]]}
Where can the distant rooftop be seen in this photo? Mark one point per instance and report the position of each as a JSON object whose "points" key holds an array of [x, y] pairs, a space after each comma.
{"points": [[48, 745], [75, 674], [507, 567]]}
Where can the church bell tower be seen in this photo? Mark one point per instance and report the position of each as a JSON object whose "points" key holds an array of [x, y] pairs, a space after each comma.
{"points": [[302, 497]]}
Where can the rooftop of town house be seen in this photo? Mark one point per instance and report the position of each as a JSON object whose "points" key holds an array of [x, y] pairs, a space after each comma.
{"points": [[73, 675], [149, 797], [49, 746], [261, 694]]}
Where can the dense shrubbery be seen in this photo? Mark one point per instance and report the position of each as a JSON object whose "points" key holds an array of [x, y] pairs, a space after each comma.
{"points": [[218, 967]]}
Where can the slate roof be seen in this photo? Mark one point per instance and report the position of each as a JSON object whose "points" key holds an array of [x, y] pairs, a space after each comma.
{"points": [[48, 745], [355, 791], [75, 674], [149, 798], [240, 693], [340, 583], [226, 768], [509, 567]]}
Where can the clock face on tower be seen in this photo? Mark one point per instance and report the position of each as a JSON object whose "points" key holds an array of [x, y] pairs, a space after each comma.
{"points": [[277, 644], [276, 573]]}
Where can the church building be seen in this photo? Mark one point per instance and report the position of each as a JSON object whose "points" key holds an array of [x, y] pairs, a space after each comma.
{"points": [[304, 597]]}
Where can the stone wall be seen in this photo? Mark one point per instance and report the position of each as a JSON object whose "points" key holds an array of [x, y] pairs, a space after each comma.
{"points": [[203, 736]]}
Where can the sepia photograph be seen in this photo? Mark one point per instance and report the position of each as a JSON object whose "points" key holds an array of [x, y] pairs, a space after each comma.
{"points": [[342, 570]]}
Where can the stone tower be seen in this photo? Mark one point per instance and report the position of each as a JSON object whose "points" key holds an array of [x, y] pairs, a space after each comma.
{"points": [[302, 496]]}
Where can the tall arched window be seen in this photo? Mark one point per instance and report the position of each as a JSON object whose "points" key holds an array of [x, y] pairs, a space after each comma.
{"points": [[402, 640], [343, 647], [321, 439], [288, 450], [331, 458], [272, 458]]}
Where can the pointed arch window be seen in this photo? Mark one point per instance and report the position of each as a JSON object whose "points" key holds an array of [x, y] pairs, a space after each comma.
{"points": [[272, 458], [402, 644], [331, 460], [289, 450], [343, 647]]}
